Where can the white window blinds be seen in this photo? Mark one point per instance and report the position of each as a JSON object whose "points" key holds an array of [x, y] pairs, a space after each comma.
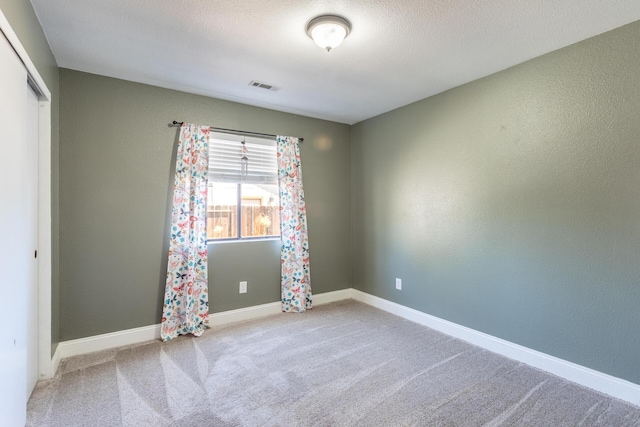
{"points": [[224, 159]]}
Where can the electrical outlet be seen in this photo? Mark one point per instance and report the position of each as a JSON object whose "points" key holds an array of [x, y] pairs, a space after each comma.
{"points": [[243, 287], [398, 284]]}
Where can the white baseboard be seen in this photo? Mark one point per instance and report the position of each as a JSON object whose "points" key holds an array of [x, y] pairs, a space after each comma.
{"points": [[107, 341], [232, 316], [604, 383], [248, 313], [328, 297], [55, 362], [152, 332], [48, 367]]}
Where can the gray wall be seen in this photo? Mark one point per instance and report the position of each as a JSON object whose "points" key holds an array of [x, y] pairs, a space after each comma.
{"points": [[117, 156], [25, 24], [511, 205]]}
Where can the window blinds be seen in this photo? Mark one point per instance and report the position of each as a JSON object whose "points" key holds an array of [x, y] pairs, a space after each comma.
{"points": [[224, 159]]}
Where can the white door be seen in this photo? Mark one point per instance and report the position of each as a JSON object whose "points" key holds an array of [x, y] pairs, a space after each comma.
{"points": [[31, 133], [16, 256]]}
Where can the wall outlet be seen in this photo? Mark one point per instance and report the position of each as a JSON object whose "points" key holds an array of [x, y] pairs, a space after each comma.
{"points": [[398, 284], [243, 287]]}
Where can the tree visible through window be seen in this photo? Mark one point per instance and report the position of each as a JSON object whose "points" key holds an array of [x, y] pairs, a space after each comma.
{"points": [[242, 204]]}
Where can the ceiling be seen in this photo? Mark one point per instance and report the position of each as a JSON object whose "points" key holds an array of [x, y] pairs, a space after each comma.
{"points": [[398, 52]]}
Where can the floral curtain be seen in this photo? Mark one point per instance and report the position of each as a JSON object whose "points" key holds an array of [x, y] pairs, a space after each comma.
{"points": [[186, 301], [294, 252]]}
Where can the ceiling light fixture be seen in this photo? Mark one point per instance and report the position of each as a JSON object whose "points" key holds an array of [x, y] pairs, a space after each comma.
{"points": [[328, 31]]}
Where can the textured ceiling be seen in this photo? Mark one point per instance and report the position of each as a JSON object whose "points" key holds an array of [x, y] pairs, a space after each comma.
{"points": [[398, 51]]}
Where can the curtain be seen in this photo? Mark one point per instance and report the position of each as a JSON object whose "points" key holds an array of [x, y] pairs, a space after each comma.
{"points": [[186, 301], [294, 251]]}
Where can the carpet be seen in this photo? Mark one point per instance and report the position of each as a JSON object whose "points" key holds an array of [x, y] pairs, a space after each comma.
{"points": [[340, 364]]}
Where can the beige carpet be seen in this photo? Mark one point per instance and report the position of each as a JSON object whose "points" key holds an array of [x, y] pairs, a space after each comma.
{"points": [[342, 364]]}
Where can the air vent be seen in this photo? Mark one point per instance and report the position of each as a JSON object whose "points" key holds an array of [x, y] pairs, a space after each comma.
{"points": [[262, 85]]}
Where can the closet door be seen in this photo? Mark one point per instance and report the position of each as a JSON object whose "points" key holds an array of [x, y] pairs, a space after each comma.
{"points": [[16, 249], [32, 313]]}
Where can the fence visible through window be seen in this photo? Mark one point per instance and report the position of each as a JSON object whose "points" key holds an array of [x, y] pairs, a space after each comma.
{"points": [[259, 211]]}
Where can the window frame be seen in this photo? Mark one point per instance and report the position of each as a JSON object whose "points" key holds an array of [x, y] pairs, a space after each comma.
{"points": [[239, 184]]}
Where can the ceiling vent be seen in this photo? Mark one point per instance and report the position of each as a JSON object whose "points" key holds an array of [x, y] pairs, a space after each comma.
{"points": [[262, 85]]}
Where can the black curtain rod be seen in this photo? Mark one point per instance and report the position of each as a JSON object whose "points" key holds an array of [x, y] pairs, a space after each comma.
{"points": [[235, 131]]}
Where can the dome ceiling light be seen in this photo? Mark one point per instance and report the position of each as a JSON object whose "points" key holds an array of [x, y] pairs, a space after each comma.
{"points": [[328, 31]]}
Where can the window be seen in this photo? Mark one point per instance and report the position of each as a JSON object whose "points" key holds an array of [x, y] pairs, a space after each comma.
{"points": [[242, 205]]}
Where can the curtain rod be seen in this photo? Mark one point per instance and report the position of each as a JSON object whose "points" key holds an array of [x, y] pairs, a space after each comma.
{"points": [[235, 131]]}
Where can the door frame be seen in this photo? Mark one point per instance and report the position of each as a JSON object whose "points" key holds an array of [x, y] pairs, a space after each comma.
{"points": [[47, 364]]}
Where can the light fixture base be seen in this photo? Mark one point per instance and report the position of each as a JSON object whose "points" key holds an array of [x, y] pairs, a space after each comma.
{"points": [[328, 31]]}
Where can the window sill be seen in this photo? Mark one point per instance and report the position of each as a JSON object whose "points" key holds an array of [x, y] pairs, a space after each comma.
{"points": [[243, 240]]}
